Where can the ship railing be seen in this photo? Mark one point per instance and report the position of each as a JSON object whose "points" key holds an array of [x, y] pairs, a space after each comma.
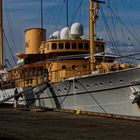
{"points": [[29, 78], [78, 71]]}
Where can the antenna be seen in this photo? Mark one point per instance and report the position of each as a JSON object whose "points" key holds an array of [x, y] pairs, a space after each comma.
{"points": [[41, 8], [91, 31], [67, 12], [1, 35]]}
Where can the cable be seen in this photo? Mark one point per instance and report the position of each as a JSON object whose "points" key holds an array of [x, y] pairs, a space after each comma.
{"points": [[76, 12], [9, 47], [10, 29], [125, 26]]}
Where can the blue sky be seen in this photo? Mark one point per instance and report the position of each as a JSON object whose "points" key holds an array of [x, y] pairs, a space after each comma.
{"points": [[22, 14]]}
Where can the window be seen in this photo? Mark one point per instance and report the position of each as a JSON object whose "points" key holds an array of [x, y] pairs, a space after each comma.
{"points": [[86, 46], [74, 45], [102, 48], [30, 81], [97, 47], [67, 45], [54, 46], [80, 45], [61, 45]]}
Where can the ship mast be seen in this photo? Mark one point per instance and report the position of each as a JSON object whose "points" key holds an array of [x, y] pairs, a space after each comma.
{"points": [[1, 35], [91, 36], [93, 14]]}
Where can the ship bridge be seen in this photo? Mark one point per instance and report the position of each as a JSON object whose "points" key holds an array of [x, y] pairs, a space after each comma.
{"points": [[70, 46]]}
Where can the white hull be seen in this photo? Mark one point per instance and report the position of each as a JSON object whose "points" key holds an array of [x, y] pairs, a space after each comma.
{"points": [[108, 93]]}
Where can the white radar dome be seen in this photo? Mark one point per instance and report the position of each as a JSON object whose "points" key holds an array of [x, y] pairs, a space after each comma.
{"points": [[76, 30], [55, 35], [64, 34]]}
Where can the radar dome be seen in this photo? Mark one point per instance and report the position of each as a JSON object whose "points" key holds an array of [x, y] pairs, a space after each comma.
{"points": [[55, 35], [64, 34], [76, 30]]}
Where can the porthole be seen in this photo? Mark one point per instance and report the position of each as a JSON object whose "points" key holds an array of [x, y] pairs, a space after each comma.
{"points": [[76, 88], [101, 84], [73, 66], [63, 67], [87, 86], [65, 89], [59, 90], [121, 81], [110, 82], [96, 84]]}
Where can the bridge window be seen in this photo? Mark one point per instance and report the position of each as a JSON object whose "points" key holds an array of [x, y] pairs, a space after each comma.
{"points": [[86, 46], [80, 45], [74, 45], [54, 46], [61, 45], [67, 45]]}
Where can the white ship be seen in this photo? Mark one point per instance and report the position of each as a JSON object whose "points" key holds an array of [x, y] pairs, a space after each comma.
{"points": [[69, 72]]}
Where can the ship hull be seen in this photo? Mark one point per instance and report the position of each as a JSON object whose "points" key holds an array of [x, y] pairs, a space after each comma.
{"points": [[107, 93]]}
